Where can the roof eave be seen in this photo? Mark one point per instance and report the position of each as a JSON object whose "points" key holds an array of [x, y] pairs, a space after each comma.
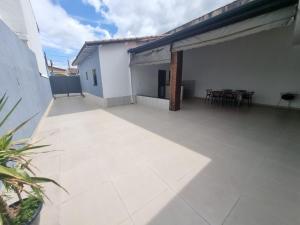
{"points": [[74, 63], [112, 41], [241, 13]]}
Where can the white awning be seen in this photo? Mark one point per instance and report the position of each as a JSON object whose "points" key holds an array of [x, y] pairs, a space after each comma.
{"points": [[257, 24], [161, 55]]}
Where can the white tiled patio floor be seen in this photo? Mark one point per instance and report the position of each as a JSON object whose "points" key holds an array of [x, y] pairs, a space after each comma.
{"points": [[203, 165]]}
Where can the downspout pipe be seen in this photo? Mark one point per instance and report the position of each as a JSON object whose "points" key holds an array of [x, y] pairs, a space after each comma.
{"points": [[132, 101]]}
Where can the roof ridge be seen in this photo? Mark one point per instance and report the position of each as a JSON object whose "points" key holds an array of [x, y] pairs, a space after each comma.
{"points": [[125, 39], [221, 9]]}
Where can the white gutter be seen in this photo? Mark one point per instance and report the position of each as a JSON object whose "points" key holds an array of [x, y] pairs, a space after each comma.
{"points": [[130, 80]]}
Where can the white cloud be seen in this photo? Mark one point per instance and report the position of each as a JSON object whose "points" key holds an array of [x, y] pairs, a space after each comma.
{"points": [[144, 17], [65, 32], [61, 31], [95, 3]]}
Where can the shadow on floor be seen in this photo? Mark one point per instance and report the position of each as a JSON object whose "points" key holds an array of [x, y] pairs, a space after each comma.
{"points": [[251, 152], [75, 104]]}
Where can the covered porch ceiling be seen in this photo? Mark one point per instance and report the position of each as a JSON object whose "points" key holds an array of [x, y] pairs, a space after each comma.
{"points": [[259, 13], [214, 30], [221, 26]]}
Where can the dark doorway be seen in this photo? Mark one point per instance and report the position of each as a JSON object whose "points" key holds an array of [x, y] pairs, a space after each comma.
{"points": [[162, 83]]}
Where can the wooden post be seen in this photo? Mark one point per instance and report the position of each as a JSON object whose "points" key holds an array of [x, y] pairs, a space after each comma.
{"points": [[175, 80]]}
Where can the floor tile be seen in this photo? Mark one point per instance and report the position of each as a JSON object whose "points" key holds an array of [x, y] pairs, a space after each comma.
{"points": [[127, 222], [253, 210], [209, 197], [205, 162], [139, 188], [100, 205], [167, 209], [82, 177]]}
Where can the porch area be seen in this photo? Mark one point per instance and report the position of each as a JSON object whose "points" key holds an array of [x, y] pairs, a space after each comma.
{"points": [[257, 56], [204, 164]]}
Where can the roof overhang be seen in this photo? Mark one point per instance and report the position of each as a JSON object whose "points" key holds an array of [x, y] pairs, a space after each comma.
{"points": [[158, 56], [90, 46], [86, 50], [249, 10]]}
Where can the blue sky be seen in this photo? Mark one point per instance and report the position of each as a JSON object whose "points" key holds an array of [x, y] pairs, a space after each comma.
{"points": [[87, 14], [66, 24]]}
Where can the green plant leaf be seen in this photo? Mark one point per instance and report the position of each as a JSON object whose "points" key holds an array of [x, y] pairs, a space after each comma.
{"points": [[1, 219], [12, 132], [10, 112], [47, 180], [31, 147], [15, 162], [3, 101], [2, 98], [13, 173]]}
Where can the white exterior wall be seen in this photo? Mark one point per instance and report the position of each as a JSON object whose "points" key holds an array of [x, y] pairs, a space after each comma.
{"points": [[266, 63], [90, 63], [11, 13], [145, 79], [153, 102], [111, 62], [114, 62], [19, 17]]}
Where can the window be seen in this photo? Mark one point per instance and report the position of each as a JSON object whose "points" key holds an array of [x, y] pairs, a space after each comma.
{"points": [[95, 77], [86, 75]]}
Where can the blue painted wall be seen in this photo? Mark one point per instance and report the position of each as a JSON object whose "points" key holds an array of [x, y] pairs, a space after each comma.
{"points": [[20, 78], [90, 63]]}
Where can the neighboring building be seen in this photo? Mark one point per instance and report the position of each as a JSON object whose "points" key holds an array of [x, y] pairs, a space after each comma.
{"points": [[103, 69], [72, 71], [19, 17], [53, 70]]}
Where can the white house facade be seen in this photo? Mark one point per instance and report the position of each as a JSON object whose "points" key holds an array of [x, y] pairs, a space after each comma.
{"points": [[104, 69], [19, 17]]}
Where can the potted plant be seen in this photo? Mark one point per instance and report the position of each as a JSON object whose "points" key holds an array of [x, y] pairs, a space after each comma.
{"points": [[17, 176]]}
